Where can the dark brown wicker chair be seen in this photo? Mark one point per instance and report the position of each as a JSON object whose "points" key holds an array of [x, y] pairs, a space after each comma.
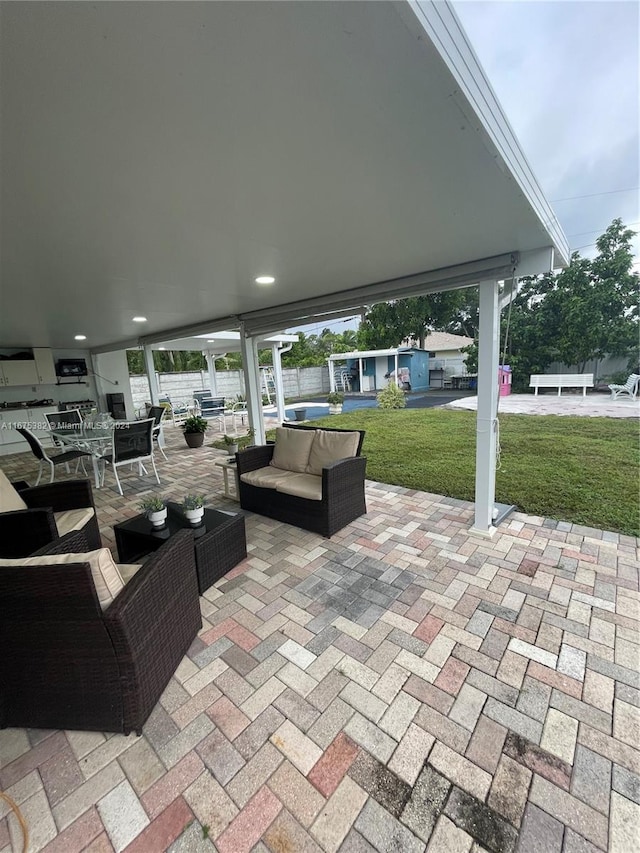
{"points": [[67, 664], [24, 531], [343, 498]]}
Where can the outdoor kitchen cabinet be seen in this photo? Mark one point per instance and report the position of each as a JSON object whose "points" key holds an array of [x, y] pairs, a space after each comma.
{"points": [[37, 370], [10, 440]]}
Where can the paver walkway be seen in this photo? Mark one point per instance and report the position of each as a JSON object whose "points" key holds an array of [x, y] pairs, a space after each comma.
{"points": [[402, 686]]}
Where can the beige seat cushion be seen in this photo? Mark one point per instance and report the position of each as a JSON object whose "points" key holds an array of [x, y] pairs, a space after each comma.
{"points": [[291, 452], [128, 570], [329, 447], [302, 486], [266, 478], [106, 577], [10, 500], [72, 519]]}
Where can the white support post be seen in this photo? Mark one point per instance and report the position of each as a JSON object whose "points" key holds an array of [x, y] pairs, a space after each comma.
{"points": [[396, 368], [332, 378], [211, 368], [486, 423], [278, 381], [151, 375], [251, 369], [360, 373]]}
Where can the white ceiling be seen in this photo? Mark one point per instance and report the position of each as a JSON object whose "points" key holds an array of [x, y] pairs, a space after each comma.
{"points": [[157, 157]]}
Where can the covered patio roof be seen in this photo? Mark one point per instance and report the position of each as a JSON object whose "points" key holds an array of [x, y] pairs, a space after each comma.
{"points": [[158, 157]]}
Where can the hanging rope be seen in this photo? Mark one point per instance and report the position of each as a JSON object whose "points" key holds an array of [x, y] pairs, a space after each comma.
{"points": [[496, 423]]}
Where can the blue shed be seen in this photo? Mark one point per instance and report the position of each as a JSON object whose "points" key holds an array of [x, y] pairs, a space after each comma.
{"points": [[372, 370]]}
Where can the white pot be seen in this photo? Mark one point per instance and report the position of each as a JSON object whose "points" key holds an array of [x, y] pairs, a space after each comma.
{"points": [[335, 408], [232, 449], [158, 518], [194, 515]]}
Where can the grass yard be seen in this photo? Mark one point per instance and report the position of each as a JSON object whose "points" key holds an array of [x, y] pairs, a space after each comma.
{"points": [[583, 470]]}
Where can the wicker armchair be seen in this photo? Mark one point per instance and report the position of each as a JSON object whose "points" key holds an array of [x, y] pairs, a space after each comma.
{"points": [[68, 664], [24, 531], [343, 498]]}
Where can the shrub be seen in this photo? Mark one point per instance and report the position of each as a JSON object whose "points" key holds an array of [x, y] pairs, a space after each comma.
{"points": [[391, 397], [195, 424], [335, 398]]}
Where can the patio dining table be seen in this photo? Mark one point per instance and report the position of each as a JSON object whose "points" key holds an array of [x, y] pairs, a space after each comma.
{"points": [[92, 439]]}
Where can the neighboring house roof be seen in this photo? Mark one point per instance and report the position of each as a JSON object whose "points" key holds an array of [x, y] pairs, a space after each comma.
{"points": [[437, 341]]}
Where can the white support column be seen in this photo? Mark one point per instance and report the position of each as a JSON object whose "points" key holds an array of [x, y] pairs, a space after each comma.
{"points": [[486, 423], [360, 373], [211, 368], [278, 381], [151, 375], [332, 378], [251, 369], [396, 367]]}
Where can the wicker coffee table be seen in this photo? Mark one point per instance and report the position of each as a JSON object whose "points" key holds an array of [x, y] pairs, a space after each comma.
{"points": [[220, 541]]}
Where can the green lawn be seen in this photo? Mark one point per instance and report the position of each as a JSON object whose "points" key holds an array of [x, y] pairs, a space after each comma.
{"points": [[583, 470]]}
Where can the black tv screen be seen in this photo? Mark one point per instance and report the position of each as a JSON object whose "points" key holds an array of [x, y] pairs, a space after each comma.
{"points": [[71, 367]]}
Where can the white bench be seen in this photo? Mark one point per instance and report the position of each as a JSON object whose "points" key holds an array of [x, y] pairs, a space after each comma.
{"points": [[560, 381]]}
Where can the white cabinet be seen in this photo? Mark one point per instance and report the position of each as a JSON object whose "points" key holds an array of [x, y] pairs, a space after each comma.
{"points": [[45, 368], [34, 419], [37, 370], [18, 372]]}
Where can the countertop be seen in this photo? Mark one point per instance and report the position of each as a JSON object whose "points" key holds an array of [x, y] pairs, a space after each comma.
{"points": [[12, 407]]}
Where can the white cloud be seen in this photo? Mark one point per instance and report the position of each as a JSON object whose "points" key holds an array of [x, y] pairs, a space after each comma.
{"points": [[566, 74]]}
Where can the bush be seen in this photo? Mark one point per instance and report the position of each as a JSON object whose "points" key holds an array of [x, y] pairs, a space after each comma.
{"points": [[391, 397]]}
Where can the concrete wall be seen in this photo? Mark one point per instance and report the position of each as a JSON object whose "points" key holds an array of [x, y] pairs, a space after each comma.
{"points": [[299, 383]]}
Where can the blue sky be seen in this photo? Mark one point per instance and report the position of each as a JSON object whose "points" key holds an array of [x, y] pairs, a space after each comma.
{"points": [[566, 74]]}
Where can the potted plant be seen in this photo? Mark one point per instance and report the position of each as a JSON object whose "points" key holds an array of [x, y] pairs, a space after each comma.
{"points": [[193, 508], [231, 443], [194, 429], [335, 400], [155, 509]]}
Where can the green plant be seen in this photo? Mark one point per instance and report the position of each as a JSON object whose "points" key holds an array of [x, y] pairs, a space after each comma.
{"points": [[195, 424], [335, 398], [192, 501], [152, 503], [391, 397], [229, 440]]}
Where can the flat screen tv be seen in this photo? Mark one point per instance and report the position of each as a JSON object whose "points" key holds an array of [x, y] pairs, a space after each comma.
{"points": [[71, 367]]}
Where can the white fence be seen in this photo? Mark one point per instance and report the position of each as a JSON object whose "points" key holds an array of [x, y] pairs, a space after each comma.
{"points": [[298, 382]]}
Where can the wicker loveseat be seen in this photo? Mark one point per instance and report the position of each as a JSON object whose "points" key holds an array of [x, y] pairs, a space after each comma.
{"points": [[70, 659], [31, 518], [311, 478]]}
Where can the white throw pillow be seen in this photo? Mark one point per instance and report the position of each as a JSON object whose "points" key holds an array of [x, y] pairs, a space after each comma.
{"points": [[329, 447], [10, 500], [291, 452], [106, 576]]}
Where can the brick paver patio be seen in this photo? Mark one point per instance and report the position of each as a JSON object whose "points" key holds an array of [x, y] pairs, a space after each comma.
{"points": [[403, 686]]}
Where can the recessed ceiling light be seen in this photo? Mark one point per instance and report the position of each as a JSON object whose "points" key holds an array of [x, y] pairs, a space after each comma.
{"points": [[265, 279], [80, 338], [161, 347], [211, 341], [139, 319]]}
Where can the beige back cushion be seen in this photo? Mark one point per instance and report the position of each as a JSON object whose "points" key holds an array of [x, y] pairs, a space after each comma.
{"points": [[291, 452], [106, 577], [10, 500], [329, 447]]}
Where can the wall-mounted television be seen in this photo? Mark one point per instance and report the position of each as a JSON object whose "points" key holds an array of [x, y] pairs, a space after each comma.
{"points": [[71, 367]]}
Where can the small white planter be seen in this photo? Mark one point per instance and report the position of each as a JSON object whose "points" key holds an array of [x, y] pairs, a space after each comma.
{"points": [[335, 408], [159, 518], [232, 449], [194, 516]]}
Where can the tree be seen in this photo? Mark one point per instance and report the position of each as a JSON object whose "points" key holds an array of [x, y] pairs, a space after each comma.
{"points": [[583, 313], [389, 323]]}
